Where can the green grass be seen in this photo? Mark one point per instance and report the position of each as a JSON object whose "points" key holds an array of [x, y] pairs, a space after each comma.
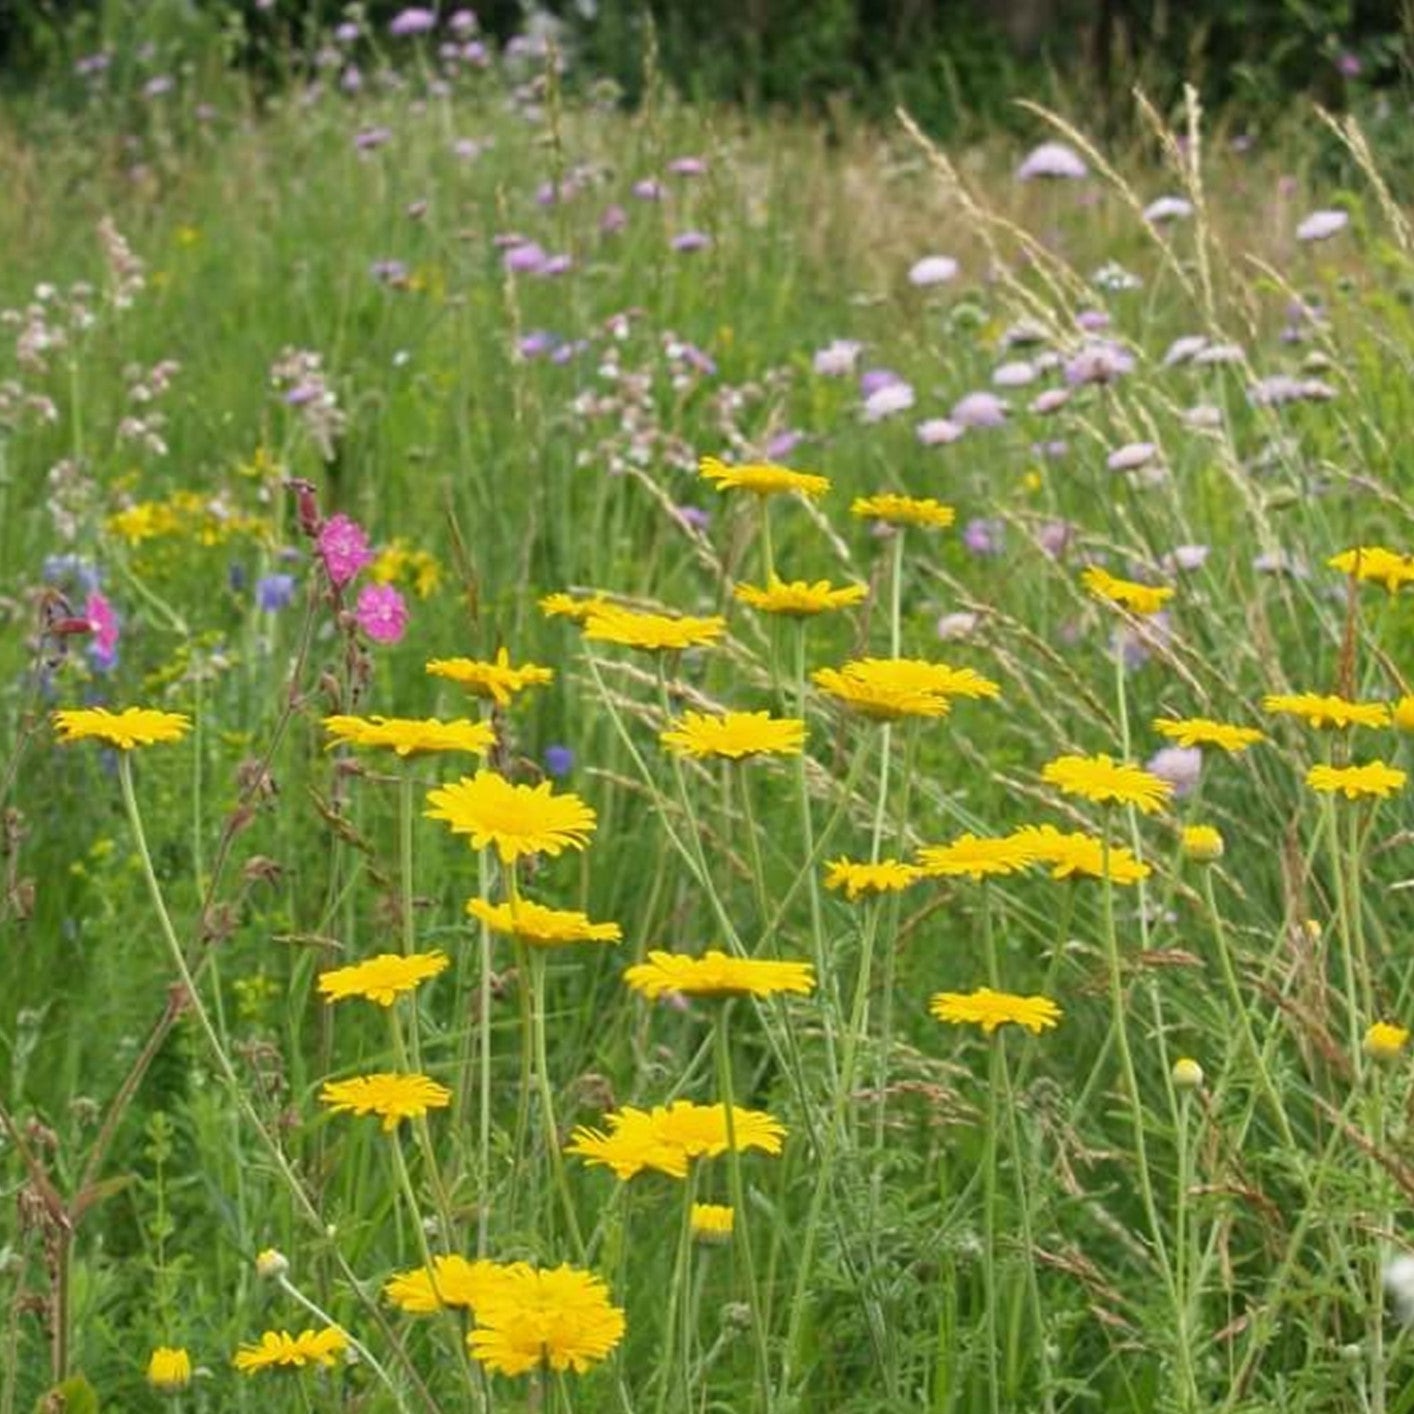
{"points": [[1014, 1223]]}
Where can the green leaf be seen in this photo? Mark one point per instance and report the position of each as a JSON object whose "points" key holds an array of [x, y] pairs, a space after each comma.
{"points": [[74, 1396]]}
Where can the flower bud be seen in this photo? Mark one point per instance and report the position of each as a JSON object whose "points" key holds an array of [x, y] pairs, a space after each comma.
{"points": [[1187, 1074], [1202, 844]]}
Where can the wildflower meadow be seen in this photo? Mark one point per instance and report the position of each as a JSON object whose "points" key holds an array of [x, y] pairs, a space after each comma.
{"points": [[654, 761]]}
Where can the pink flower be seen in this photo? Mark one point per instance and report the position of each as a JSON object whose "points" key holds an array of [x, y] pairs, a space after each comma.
{"points": [[104, 623], [381, 613], [343, 546]]}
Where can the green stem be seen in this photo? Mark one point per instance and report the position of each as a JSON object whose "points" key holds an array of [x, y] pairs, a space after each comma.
{"points": [[547, 1102], [989, 1227], [667, 1358], [740, 1221]]}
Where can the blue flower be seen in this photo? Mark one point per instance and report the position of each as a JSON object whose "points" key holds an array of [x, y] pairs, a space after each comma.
{"points": [[273, 592], [559, 761]]}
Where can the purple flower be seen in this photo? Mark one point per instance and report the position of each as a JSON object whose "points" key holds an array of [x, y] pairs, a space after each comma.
{"points": [[938, 431], [1054, 537], [1348, 65], [1052, 159], [416, 19], [343, 546], [872, 379], [1099, 363], [556, 265], [468, 149], [837, 358], [525, 259], [687, 167], [274, 592], [615, 218], [1322, 225], [537, 343], [1050, 400], [1092, 320], [559, 761], [104, 622], [958, 625], [1135, 644], [693, 517], [979, 410], [156, 86], [984, 536], [1131, 456], [346, 33], [932, 270], [1203, 416], [689, 241], [462, 22], [1212, 354], [1185, 557], [1168, 208], [1180, 766], [381, 613], [61, 567], [1016, 374], [648, 189], [370, 138], [884, 402], [1184, 349], [782, 445], [388, 272]]}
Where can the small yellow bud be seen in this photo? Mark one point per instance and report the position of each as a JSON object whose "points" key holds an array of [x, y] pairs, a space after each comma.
{"points": [[1202, 844], [1384, 1041], [1403, 714], [1187, 1074], [712, 1222], [271, 1263], [169, 1369]]}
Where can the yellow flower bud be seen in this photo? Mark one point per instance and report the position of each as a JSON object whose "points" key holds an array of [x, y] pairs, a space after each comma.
{"points": [[1403, 714], [271, 1263], [1385, 1041], [1187, 1074], [169, 1369], [1202, 844]]}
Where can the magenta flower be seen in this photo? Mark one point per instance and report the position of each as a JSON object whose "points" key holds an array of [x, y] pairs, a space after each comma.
{"points": [[381, 613], [104, 623], [416, 19], [343, 546]]}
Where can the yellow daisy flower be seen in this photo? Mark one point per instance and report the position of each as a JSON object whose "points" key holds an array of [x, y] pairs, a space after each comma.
{"points": [[654, 633], [566, 606], [451, 1281], [498, 681], [989, 1010], [976, 857], [1203, 731], [904, 510], [133, 726], [1375, 564], [761, 478], [712, 1222], [927, 676], [281, 1350], [1373, 778], [1102, 779], [169, 1369], [515, 819], [1141, 599], [735, 735], [1072, 854], [1327, 710], [1385, 1041], [381, 979], [857, 877], [544, 927], [668, 1137], [390, 1095], [799, 599], [562, 1319], [409, 737], [714, 974]]}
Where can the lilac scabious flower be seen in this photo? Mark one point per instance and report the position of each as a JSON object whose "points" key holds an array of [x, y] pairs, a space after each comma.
{"points": [[1281, 388], [527, 258], [468, 149], [689, 241], [1131, 456], [1212, 355], [1054, 537], [1185, 557], [61, 567], [462, 22], [1281, 562], [416, 19], [872, 379], [556, 265], [1184, 349], [1348, 66], [537, 343], [559, 761], [884, 402], [1052, 159], [938, 431], [1016, 374], [381, 612], [1180, 766], [782, 445], [1049, 400], [1168, 208], [388, 272], [932, 270], [102, 619], [979, 410], [687, 167], [693, 518], [984, 536], [367, 139], [346, 33], [648, 189], [961, 624], [156, 86], [1322, 225], [274, 592], [1092, 320], [343, 547], [838, 358], [1136, 643], [1099, 363], [615, 218], [1053, 450]]}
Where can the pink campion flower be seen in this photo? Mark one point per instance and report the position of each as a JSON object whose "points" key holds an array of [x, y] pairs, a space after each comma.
{"points": [[104, 622], [381, 613], [343, 546]]}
